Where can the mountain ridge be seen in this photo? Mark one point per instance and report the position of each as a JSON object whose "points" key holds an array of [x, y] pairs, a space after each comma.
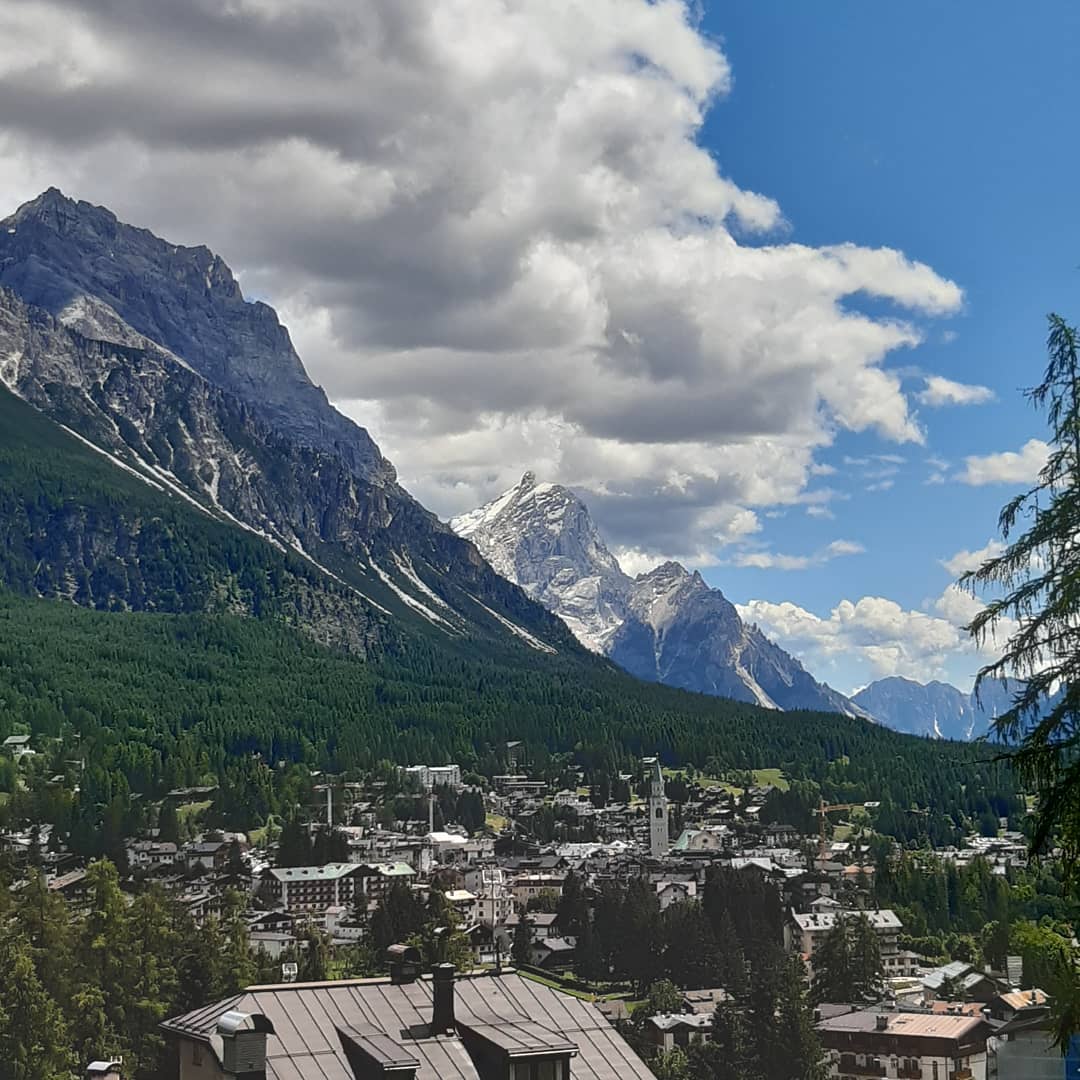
{"points": [[205, 437], [937, 708], [666, 625]]}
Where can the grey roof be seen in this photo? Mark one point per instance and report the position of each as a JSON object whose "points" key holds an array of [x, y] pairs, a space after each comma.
{"points": [[313, 873], [511, 1011]]}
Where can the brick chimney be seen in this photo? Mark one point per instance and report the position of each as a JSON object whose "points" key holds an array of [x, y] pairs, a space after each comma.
{"points": [[442, 1012]]}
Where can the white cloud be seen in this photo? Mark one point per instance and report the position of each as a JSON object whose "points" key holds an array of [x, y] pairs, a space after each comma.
{"points": [[887, 638], [1007, 467], [772, 560], [965, 560], [492, 231], [941, 391], [818, 511]]}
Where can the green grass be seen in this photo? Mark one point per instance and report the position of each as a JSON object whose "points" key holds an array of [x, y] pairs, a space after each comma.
{"points": [[771, 776], [496, 822], [555, 985], [192, 810]]}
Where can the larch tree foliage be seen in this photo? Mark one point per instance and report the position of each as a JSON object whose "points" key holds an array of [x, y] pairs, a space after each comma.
{"points": [[1036, 580], [1035, 585]]}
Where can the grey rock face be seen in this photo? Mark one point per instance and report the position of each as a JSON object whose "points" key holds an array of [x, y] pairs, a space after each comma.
{"points": [[150, 353], [96, 274], [666, 626]]}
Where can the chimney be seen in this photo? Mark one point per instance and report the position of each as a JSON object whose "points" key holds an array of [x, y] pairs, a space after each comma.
{"points": [[881, 1022], [442, 1012], [243, 1044], [109, 1069], [405, 964]]}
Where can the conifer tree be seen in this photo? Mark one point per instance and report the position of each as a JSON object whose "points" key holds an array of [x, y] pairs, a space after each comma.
{"points": [[1035, 587], [34, 1042]]}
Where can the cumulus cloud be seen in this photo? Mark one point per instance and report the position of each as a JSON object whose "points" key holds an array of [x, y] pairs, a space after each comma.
{"points": [[882, 637], [773, 560], [941, 391], [890, 639], [492, 231], [965, 560], [1008, 467]]}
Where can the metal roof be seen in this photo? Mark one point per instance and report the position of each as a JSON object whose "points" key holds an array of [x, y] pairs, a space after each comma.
{"points": [[308, 1020], [329, 872], [925, 1025]]}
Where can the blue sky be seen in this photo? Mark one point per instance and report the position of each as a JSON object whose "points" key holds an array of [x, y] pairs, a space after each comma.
{"points": [[945, 130]]}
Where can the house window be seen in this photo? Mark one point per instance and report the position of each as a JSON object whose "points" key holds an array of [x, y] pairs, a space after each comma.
{"points": [[935, 1069], [659, 811]]}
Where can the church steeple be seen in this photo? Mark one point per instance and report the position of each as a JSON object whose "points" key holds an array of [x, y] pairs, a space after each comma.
{"points": [[658, 811]]}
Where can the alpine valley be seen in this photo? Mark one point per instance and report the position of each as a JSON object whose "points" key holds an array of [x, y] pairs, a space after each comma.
{"points": [[177, 498]]}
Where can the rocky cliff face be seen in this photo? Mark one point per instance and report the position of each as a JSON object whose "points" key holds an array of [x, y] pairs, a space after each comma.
{"points": [[667, 625], [150, 353], [106, 279]]}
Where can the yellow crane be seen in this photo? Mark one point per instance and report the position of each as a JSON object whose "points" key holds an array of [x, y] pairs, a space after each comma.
{"points": [[825, 809]]}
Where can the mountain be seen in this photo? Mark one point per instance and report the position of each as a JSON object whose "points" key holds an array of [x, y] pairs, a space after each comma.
{"points": [[665, 626], [936, 708], [149, 353], [198, 582]]}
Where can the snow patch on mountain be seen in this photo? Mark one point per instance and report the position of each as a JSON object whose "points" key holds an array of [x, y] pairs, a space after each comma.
{"points": [[666, 625]]}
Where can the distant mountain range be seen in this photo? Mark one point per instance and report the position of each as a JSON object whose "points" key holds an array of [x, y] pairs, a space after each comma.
{"points": [[666, 626], [936, 708]]}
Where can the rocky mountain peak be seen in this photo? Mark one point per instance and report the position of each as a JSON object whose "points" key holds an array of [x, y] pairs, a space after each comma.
{"points": [[666, 625], [64, 255]]}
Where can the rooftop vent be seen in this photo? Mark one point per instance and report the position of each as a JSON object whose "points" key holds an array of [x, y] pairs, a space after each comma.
{"points": [[109, 1069], [243, 1044], [405, 962]]}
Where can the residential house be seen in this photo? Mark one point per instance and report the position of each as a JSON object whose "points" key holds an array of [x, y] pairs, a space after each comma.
{"points": [[483, 1027], [905, 1045], [206, 855], [376, 878], [809, 929], [152, 854], [18, 746], [669, 1030], [1024, 1044], [526, 886]]}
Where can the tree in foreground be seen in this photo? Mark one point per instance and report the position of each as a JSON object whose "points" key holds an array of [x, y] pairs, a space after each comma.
{"points": [[847, 963], [1035, 584], [1036, 607]]}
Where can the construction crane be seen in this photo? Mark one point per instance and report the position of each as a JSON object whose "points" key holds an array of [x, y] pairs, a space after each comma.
{"points": [[822, 811]]}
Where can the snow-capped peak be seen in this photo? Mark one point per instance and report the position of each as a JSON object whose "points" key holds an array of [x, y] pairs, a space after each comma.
{"points": [[666, 625]]}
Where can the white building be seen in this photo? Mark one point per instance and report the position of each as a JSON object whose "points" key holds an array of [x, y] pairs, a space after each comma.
{"points": [[432, 776], [810, 929]]}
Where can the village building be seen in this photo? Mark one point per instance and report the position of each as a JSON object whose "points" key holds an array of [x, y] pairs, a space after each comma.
{"points": [[487, 1027], [906, 1045]]}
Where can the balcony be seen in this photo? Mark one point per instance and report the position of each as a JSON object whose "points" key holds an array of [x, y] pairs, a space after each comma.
{"points": [[961, 1074], [909, 1072], [850, 1067]]}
